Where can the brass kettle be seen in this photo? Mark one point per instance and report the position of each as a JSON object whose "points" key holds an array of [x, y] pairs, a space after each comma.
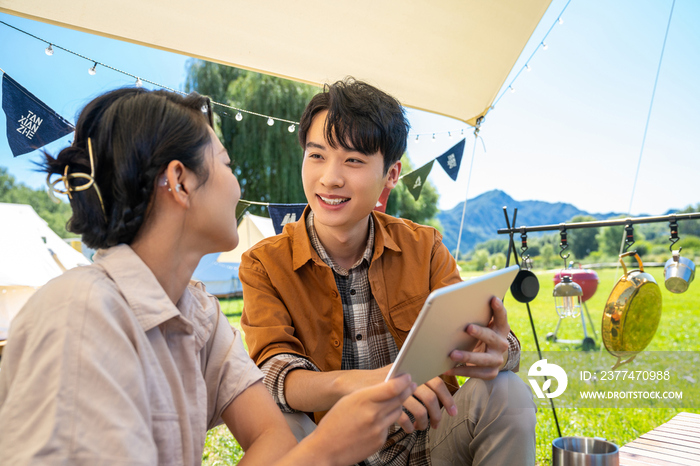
{"points": [[632, 313]]}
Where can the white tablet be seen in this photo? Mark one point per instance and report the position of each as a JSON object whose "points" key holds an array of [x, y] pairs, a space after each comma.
{"points": [[439, 328]]}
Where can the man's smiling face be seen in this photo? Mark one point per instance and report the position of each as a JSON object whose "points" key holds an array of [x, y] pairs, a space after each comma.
{"points": [[342, 186]]}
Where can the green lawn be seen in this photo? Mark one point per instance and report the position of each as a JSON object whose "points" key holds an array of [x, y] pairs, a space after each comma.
{"points": [[678, 331]]}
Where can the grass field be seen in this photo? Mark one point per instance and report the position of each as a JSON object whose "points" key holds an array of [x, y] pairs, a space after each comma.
{"points": [[679, 330]]}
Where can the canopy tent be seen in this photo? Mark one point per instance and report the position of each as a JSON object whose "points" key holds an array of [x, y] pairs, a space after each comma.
{"points": [[31, 254], [219, 271], [449, 57]]}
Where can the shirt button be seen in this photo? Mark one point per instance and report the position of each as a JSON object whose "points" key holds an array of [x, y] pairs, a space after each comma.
{"points": [[352, 292], [358, 337]]}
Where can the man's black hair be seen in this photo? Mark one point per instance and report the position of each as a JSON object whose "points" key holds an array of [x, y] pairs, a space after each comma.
{"points": [[360, 117]]}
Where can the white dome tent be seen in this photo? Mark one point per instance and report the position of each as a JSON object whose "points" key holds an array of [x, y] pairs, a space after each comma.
{"points": [[31, 254]]}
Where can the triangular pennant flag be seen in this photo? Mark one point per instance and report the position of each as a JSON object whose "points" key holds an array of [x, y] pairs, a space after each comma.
{"points": [[30, 123], [381, 202], [415, 180], [452, 159], [282, 214], [240, 210]]}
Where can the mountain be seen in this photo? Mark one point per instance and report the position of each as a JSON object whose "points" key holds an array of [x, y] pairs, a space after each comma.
{"points": [[484, 216]]}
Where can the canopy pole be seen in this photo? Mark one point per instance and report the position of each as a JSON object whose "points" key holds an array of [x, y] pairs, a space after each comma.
{"points": [[477, 128]]}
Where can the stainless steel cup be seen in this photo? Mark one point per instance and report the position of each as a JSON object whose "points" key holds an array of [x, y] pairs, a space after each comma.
{"points": [[584, 451], [679, 272]]}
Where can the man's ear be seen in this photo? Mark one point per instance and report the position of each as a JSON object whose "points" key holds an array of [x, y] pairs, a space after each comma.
{"points": [[392, 175]]}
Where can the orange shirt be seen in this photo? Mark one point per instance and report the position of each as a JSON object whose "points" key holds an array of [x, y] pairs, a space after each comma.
{"points": [[291, 302]]}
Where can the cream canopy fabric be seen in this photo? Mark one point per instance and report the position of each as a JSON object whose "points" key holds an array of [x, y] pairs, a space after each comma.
{"points": [[449, 57]]}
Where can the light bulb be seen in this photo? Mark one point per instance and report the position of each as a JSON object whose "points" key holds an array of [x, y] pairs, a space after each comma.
{"points": [[93, 70], [417, 136], [561, 21], [568, 303], [449, 134], [527, 67], [433, 137], [544, 45], [139, 83], [270, 122], [49, 50], [512, 90], [239, 116], [291, 128]]}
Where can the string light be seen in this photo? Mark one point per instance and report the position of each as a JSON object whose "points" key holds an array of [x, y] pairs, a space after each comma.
{"points": [[93, 70], [417, 136], [449, 134], [527, 66], [433, 137], [291, 128], [139, 83]]}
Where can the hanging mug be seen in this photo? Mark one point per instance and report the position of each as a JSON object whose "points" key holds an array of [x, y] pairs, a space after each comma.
{"points": [[526, 285], [679, 272]]}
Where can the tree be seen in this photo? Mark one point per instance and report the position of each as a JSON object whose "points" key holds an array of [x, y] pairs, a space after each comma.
{"points": [[265, 159], [401, 202], [582, 241], [56, 215], [480, 259]]}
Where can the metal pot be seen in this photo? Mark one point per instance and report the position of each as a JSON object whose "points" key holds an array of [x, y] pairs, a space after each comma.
{"points": [[679, 272], [525, 286], [584, 451], [632, 313]]}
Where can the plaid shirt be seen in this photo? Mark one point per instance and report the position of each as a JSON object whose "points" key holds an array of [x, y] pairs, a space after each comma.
{"points": [[367, 344]]}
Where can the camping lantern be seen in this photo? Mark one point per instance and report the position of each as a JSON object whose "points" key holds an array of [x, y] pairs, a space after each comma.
{"points": [[567, 297]]}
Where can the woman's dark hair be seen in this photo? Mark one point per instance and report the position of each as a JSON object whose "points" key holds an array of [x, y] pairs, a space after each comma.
{"points": [[134, 133], [360, 117]]}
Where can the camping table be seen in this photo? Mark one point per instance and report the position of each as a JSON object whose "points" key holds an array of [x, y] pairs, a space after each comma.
{"points": [[677, 442]]}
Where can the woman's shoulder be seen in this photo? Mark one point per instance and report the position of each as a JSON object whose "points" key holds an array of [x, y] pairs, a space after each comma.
{"points": [[68, 296]]}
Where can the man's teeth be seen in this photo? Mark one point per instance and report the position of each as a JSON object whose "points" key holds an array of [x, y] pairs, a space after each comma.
{"points": [[333, 201]]}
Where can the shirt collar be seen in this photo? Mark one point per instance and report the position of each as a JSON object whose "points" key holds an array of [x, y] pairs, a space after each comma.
{"points": [[318, 247], [303, 251], [142, 291]]}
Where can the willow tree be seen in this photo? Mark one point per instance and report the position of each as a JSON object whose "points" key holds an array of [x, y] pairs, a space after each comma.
{"points": [[266, 159]]}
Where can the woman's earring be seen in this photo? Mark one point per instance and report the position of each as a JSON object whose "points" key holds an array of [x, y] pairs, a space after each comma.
{"points": [[177, 188]]}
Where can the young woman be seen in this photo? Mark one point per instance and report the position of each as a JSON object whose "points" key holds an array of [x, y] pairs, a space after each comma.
{"points": [[126, 361]]}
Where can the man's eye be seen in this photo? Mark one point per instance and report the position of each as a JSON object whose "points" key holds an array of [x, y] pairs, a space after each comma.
{"points": [[315, 156]]}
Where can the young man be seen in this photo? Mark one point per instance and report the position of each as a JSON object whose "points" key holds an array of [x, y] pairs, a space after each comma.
{"points": [[330, 301]]}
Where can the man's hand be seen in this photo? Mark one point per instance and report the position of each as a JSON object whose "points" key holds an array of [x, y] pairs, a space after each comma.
{"points": [[488, 357], [426, 402]]}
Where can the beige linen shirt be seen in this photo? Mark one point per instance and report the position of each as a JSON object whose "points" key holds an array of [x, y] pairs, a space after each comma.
{"points": [[102, 368]]}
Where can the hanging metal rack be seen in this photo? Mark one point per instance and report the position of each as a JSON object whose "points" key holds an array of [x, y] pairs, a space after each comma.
{"points": [[600, 223]]}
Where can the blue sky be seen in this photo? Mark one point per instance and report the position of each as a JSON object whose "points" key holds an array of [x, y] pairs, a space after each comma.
{"points": [[571, 131]]}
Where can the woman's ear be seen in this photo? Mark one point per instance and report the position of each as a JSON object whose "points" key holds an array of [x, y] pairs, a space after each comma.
{"points": [[392, 175], [177, 178]]}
